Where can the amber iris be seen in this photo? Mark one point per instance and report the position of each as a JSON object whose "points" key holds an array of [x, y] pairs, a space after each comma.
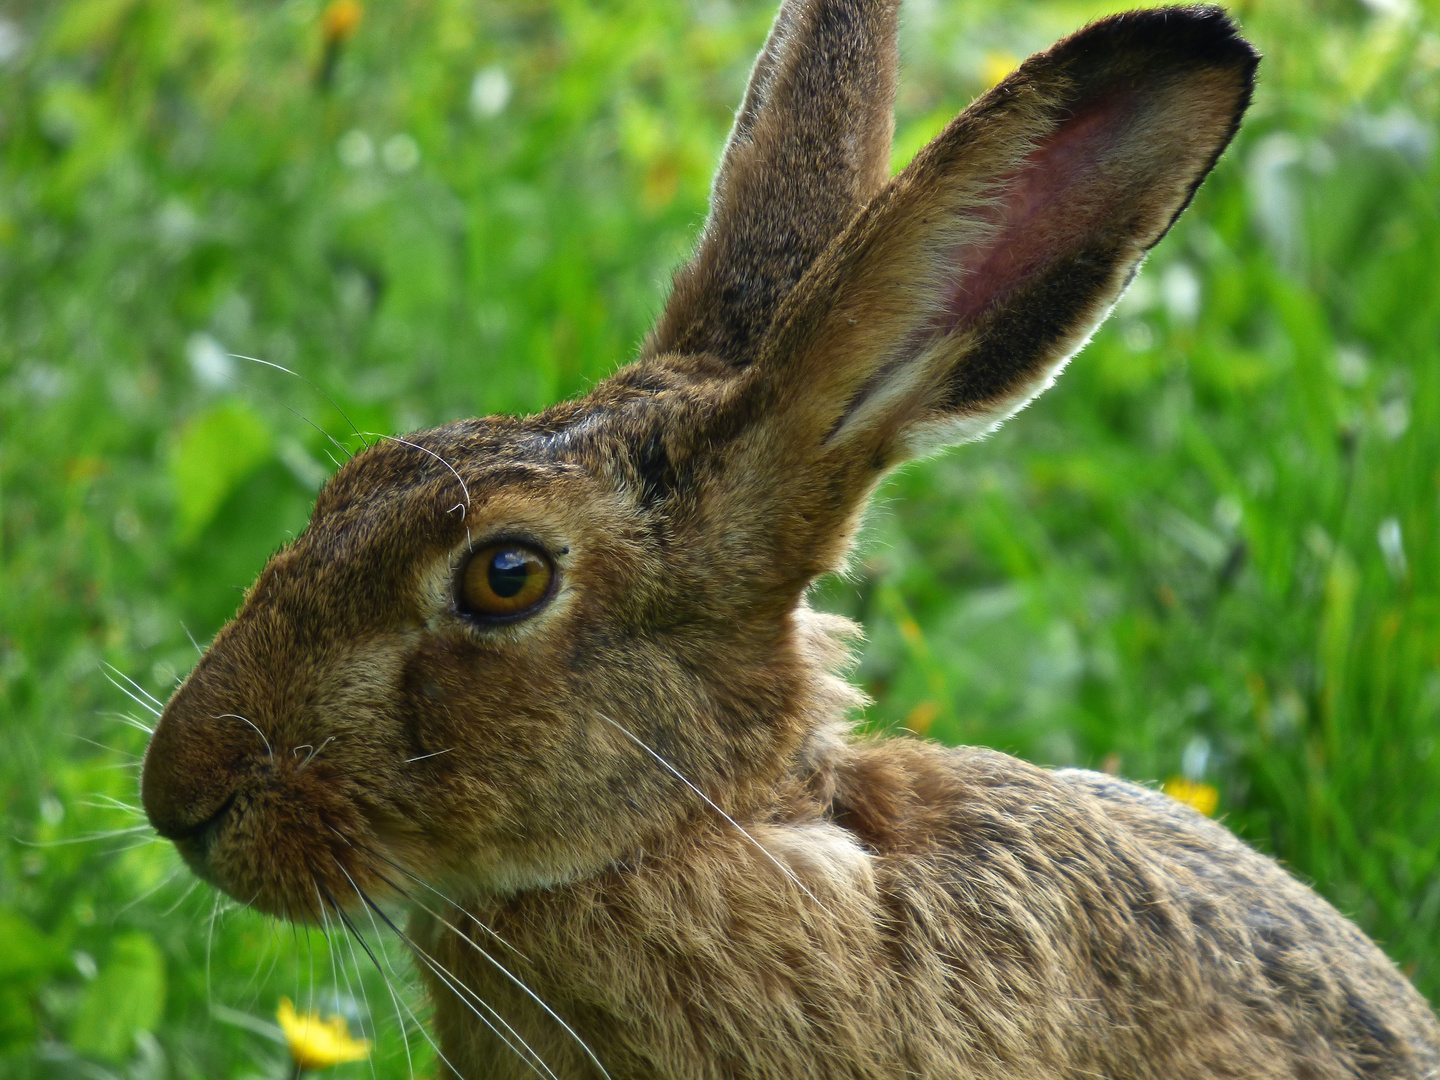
{"points": [[505, 579]]}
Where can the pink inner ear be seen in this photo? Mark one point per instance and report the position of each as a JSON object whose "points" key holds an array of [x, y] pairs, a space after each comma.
{"points": [[1058, 198]]}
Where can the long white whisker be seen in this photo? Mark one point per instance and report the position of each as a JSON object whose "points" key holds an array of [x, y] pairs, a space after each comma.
{"points": [[198, 651], [88, 838], [261, 981], [109, 802], [158, 703], [437, 457], [132, 721], [465, 490], [313, 386], [194, 884], [134, 760], [738, 827], [351, 938], [464, 993], [325, 932], [154, 889], [393, 996], [138, 700], [519, 982], [209, 942], [424, 884], [350, 989], [404, 1034]]}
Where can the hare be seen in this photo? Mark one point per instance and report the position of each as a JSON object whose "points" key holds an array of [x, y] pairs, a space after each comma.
{"points": [[552, 686]]}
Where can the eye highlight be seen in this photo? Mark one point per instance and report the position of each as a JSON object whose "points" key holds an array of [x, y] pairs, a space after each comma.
{"points": [[505, 579]]}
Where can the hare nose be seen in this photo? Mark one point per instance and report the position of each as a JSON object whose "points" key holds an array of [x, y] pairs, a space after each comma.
{"points": [[188, 784]]}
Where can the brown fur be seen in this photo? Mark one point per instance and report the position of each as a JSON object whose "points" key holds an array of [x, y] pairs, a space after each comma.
{"points": [[829, 907]]}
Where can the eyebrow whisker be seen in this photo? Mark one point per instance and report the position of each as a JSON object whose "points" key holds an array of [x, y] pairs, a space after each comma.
{"points": [[318, 390]]}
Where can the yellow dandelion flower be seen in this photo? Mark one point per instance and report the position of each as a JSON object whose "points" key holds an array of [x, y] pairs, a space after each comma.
{"points": [[1202, 797], [340, 19], [316, 1043], [995, 66]]}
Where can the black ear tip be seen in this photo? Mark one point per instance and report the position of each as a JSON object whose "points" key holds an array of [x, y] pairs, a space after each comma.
{"points": [[1203, 34]]}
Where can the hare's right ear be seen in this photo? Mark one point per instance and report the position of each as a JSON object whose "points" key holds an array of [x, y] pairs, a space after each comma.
{"points": [[959, 291]]}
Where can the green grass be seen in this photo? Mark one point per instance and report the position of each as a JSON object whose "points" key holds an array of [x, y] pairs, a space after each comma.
{"points": [[1172, 563]]}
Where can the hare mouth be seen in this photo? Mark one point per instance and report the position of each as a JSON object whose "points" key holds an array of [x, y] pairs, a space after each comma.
{"points": [[198, 833]]}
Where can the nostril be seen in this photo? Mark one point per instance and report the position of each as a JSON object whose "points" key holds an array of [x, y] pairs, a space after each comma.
{"points": [[196, 830]]}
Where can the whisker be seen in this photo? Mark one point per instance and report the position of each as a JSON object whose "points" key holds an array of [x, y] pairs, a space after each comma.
{"points": [[325, 932], [209, 942], [198, 651], [465, 490], [349, 988], [519, 982], [134, 759], [258, 981], [158, 703], [88, 838], [314, 752], [108, 802], [194, 883], [739, 828], [292, 411], [310, 966], [236, 716], [404, 1035], [131, 847], [132, 721], [138, 701], [425, 958], [421, 882], [425, 1034], [424, 757], [461, 991], [153, 890], [313, 386]]}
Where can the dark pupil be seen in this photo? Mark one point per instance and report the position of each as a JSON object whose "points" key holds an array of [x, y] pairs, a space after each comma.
{"points": [[509, 571]]}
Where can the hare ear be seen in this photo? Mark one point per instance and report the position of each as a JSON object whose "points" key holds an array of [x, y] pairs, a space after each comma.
{"points": [[958, 294], [960, 290], [810, 145]]}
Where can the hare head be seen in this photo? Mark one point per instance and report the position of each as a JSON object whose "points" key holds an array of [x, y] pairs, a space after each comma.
{"points": [[500, 642]]}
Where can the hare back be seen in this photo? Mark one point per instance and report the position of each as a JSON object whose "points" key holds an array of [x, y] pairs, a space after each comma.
{"points": [[968, 915]]}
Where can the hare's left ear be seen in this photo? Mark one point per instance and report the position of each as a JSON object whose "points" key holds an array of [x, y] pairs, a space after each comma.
{"points": [[960, 290]]}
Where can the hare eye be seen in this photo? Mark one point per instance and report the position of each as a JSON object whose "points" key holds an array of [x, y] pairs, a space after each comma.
{"points": [[505, 579]]}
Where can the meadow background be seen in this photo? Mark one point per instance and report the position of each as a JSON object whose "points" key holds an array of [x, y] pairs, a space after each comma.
{"points": [[1210, 552]]}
